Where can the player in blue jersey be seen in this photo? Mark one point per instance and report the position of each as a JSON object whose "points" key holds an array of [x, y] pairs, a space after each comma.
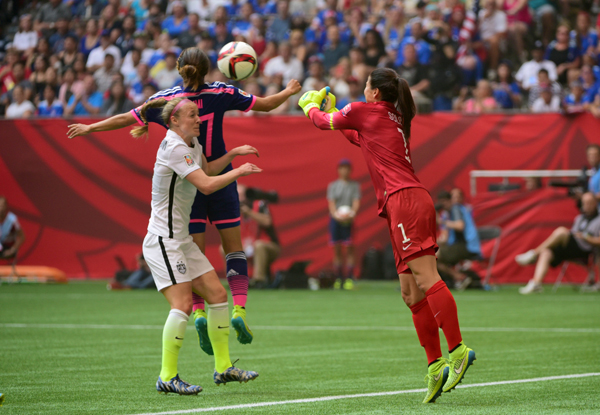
{"points": [[222, 207]]}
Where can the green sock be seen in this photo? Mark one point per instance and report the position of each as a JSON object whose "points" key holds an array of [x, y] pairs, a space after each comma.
{"points": [[218, 331], [458, 351], [172, 340]]}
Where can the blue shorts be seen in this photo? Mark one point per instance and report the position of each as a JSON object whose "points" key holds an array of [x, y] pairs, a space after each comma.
{"points": [[221, 208], [339, 233]]}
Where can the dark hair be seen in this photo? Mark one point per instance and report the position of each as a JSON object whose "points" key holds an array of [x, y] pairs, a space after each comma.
{"points": [[379, 44], [443, 195], [543, 70], [594, 146], [193, 65], [395, 90]]}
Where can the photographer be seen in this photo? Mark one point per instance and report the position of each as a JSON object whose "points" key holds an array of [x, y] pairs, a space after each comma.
{"points": [[260, 241]]}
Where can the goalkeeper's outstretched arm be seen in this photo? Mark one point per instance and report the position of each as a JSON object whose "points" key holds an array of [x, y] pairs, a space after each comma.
{"points": [[113, 123]]}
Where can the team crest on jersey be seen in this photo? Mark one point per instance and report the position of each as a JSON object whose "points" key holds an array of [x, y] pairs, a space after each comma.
{"points": [[244, 93], [181, 267], [346, 110], [189, 160]]}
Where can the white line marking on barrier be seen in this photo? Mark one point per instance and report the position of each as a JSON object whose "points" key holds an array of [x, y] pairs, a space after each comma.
{"points": [[362, 395], [304, 328]]}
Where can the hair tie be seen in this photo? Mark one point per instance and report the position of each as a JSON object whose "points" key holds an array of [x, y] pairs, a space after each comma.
{"points": [[179, 105]]}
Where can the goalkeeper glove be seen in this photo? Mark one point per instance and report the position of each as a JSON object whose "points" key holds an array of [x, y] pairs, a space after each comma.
{"points": [[328, 103], [310, 100]]}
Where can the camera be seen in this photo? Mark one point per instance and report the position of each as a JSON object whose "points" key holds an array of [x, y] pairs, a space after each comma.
{"points": [[253, 193]]}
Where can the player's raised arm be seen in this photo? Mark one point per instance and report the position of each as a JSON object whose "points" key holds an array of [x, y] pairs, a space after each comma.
{"points": [[217, 166], [271, 102], [210, 184], [113, 123]]}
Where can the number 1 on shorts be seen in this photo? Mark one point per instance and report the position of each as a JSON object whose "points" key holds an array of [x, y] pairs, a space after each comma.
{"points": [[401, 226]]}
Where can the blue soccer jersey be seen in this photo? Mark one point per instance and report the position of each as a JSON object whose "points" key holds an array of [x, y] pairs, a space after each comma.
{"points": [[213, 101]]}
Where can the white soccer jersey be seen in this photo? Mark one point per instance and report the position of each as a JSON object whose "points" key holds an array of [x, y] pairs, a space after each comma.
{"points": [[172, 194]]}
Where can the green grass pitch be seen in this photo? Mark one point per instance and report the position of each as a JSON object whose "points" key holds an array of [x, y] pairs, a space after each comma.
{"points": [[62, 352]]}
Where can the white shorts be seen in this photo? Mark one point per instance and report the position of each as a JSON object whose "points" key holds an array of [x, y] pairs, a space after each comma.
{"points": [[173, 261]]}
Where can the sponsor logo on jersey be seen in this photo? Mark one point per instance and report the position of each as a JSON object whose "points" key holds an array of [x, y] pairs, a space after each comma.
{"points": [[189, 160], [244, 93], [181, 267], [346, 110]]}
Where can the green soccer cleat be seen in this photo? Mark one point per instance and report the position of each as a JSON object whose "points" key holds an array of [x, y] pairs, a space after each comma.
{"points": [[337, 284], [201, 324], [459, 362], [435, 379], [238, 321]]}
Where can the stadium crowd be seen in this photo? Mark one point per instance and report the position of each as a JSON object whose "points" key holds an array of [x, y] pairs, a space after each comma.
{"points": [[103, 57]]}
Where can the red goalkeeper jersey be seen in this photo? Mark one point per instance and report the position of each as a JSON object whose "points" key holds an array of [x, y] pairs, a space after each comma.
{"points": [[377, 129]]}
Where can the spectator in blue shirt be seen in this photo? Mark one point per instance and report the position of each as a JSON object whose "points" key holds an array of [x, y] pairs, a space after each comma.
{"points": [[589, 83], [506, 91], [87, 102], [50, 106], [421, 47], [584, 36], [330, 10], [242, 25], [575, 101], [178, 21], [220, 17], [356, 93], [264, 7], [280, 27]]}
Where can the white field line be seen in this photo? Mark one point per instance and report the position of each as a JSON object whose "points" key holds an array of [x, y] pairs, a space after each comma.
{"points": [[304, 328], [362, 395]]}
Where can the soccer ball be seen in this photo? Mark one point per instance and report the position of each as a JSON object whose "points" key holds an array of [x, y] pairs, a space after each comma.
{"points": [[344, 212], [237, 60]]}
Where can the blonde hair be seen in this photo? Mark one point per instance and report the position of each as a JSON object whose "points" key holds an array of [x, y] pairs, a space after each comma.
{"points": [[167, 106]]}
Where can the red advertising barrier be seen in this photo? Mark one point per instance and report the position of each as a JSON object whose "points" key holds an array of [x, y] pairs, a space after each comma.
{"points": [[82, 202]]}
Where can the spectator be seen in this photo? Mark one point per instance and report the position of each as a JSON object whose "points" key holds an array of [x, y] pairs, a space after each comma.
{"points": [[564, 53], [140, 11], [165, 46], [280, 26], [444, 76], [26, 38], [286, 65], [374, 48], [334, 49], [91, 39], [148, 90], [575, 101], [129, 72], [38, 77], [316, 76], [527, 75], [242, 25], [222, 36], [394, 28], [49, 14], [483, 100], [86, 102], [585, 37], [506, 91], [140, 43], [492, 29], [104, 75], [192, 36], [69, 53], [52, 81], [543, 81], [117, 102], [261, 243], [462, 241], [50, 106], [257, 34], [417, 77], [547, 102], [564, 245], [96, 58], [109, 20], [169, 75], [136, 92], [65, 92], [544, 13], [339, 76], [89, 9], [356, 93], [139, 279], [518, 21], [126, 40], [11, 233], [297, 44], [178, 22], [20, 107], [17, 78], [57, 40], [589, 83], [421, 46], [7, 80], [343, 198]]}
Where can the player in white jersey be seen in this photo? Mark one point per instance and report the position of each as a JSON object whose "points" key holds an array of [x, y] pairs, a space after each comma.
{"points": [[177, 264]]}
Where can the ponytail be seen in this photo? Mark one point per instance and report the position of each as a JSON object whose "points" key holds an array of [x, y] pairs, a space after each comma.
{"points": [[193, 65], [395, 90], [142, 130], [405, 105], [168, 108]]}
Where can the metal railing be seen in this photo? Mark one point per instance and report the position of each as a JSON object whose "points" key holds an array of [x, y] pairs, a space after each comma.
{"points": [[506, 174]]}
